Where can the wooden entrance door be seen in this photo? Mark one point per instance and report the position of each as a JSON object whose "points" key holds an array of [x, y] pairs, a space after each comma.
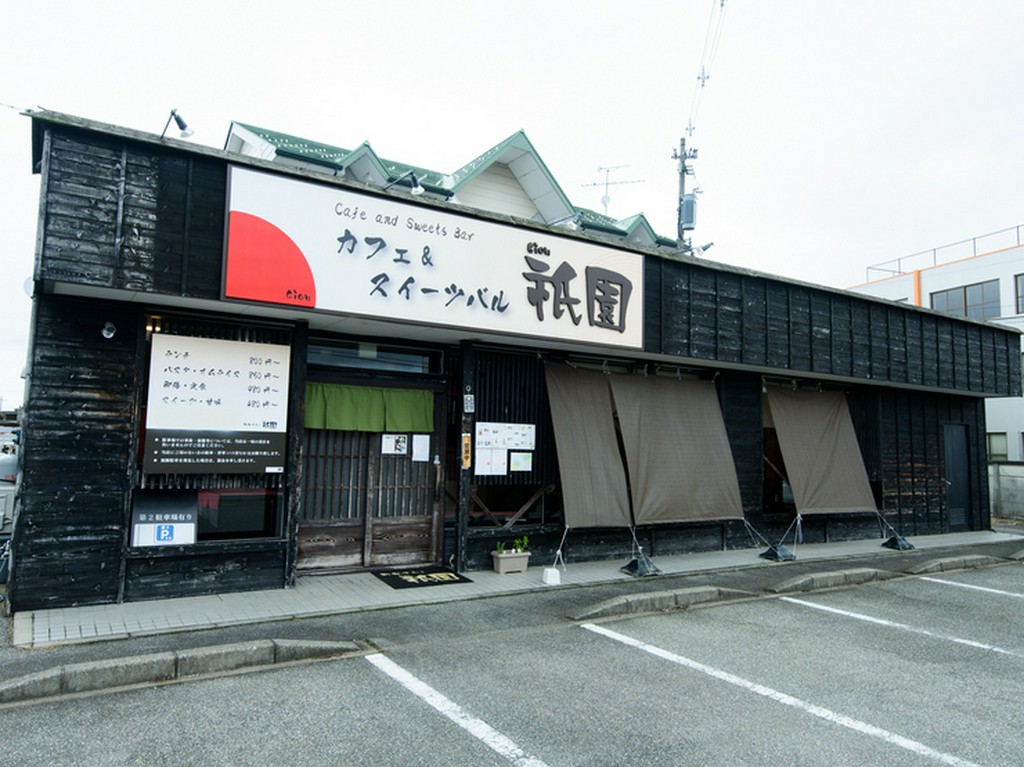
{"points": [[365, 507]]}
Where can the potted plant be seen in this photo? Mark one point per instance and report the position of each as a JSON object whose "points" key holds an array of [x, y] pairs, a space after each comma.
{"points": [[514, 561]]}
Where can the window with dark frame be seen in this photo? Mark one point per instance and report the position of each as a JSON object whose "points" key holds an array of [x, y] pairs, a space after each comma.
{"points": [[978, 301], [372, 357], [1018, 290], [997, 446], [220, 506]]}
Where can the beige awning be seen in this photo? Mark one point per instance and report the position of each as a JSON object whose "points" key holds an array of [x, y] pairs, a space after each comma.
{"points": [[680, 463], [819, 445], [593, 479]]}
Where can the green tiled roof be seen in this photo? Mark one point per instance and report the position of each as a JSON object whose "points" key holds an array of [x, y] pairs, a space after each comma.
{"points": [[326, 153], [299, 146], [333, 156], [591, 219]]}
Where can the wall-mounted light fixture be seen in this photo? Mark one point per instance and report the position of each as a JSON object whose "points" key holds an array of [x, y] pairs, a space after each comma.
{"points": [[413, 182], [108, 330], [180, 122]]}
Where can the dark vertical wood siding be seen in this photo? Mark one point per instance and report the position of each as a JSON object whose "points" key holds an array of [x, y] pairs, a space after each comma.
{"points": [[740, 397], [842, 336], [866, 417], [173, 225], [709, 315], [912, 457], [137, 217], [79, 438], [510, 388], [141, 217], [754, 317]]}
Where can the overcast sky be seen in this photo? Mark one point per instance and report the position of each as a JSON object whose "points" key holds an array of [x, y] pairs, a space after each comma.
{"points": [[831, 134]]}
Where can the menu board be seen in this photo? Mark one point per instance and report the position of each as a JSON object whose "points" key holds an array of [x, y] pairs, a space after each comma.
{"points": [[500, 447], [216, 406]]}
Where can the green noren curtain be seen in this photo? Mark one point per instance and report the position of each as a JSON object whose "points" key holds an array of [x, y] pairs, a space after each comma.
{"points": [[368, 408]]}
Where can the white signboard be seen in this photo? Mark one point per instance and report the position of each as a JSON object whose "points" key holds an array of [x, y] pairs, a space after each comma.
{"points": [[515, 436], [296, 243], [493, 444], [216, 406], [164, 519]]}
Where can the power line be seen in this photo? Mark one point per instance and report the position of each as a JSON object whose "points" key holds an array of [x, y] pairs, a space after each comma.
{"points": [[686, 211], [712, 38]]}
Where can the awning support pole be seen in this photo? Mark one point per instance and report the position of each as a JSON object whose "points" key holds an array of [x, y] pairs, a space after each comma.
{"points": [[558, 554], [640, 565], [778, 552], [895, 541]]}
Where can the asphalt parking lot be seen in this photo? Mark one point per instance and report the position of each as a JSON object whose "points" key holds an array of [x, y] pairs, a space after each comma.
{"points": [[907, 671]]}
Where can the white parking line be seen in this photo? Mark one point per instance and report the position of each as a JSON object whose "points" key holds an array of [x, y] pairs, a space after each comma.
{"points": [[975, 588], [788, 700], [903, 627], [475, 727]]}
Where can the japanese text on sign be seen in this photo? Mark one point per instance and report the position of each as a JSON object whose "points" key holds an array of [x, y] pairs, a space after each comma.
{"points": [[215, 385], [352, 253]]}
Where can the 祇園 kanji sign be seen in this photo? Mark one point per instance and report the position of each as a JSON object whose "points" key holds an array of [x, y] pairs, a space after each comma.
{"points": [[296, 243]]}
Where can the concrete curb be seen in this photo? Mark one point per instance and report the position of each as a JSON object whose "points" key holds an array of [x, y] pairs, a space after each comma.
{"points": [[167, 666], [968, 562], [832, 580], [656, 601]]}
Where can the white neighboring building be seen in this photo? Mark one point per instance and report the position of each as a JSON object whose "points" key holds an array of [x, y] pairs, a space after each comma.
{"points": [[981, 278]]}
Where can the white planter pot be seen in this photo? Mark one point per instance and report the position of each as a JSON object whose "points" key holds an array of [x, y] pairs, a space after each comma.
{"points": [[510, 561]]}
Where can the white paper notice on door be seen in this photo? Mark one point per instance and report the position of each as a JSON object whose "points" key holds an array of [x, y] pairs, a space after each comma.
{"points": [[421, 447]]}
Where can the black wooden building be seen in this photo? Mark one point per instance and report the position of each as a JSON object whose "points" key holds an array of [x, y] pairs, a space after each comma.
{"points": [[205, 411]]}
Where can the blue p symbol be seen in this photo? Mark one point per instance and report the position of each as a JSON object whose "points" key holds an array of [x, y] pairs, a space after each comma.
{"points": [[165, 532]]}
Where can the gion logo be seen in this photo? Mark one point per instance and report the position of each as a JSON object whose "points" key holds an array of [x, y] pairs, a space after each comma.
{"points": [[607, 292]]}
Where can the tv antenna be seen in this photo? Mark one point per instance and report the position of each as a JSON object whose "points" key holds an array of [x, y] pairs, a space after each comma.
{"points": [[605, 199]]}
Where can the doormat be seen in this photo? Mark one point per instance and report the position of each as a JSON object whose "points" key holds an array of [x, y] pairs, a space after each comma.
{"points": [[421, 576]]}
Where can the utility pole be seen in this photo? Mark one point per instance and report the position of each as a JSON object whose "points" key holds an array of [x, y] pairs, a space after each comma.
{"points": [[686, 212]]}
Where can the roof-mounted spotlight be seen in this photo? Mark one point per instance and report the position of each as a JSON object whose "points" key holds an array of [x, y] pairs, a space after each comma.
{"points": [[414, 182], [180, 122], [571, 220]]}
